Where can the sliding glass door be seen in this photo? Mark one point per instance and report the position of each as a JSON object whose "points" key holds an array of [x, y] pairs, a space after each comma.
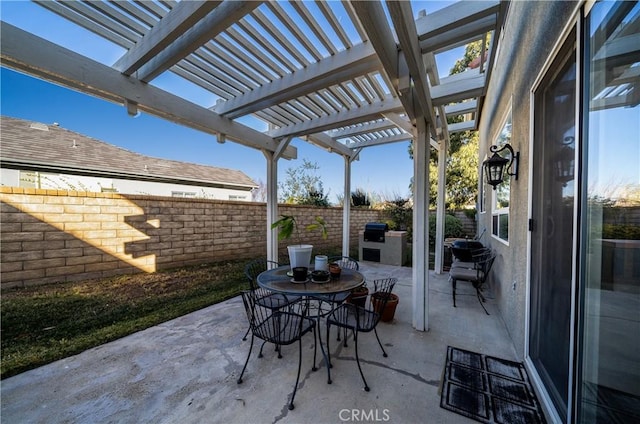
{"points": [[552, 237], [609, 376]]}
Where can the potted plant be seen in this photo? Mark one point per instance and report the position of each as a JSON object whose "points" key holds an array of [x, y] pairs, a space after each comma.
{"points": [[299, 254], [358, 296], [335, 270], [378, 302]]}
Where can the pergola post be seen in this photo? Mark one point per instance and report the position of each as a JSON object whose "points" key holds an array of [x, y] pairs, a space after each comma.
{"points": [[440, 209], [421, 227], [272, 204], [272, 196], [346, 207]]}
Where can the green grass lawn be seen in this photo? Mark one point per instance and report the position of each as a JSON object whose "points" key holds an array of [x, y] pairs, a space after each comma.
{"points": [[42, 324]]}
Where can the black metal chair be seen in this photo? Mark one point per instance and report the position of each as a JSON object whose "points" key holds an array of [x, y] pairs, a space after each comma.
{"points": [[345, 262], [336, 299], [476, 272], [360, 320], [268, 299], [279, 327]]}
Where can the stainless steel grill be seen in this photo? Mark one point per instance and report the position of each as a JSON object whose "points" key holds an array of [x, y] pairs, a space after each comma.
{"points": [[375, 232]]}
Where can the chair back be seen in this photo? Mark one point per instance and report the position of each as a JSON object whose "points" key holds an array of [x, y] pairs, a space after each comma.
{"points": [[381, 295], [258, 315], [255, 267], [345, 262], [484, 262], [273, 326]]}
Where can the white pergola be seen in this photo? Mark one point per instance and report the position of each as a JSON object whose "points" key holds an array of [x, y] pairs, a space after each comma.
{"points": [[340, 75]]}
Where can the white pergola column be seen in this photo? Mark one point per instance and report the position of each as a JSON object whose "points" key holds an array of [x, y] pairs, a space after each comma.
{"points": [[272, 205], [272, 197], [346, 206], [440, 211], [421, 227]]}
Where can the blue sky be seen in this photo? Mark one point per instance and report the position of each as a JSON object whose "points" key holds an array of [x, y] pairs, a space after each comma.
{"points": [[384, 170]]}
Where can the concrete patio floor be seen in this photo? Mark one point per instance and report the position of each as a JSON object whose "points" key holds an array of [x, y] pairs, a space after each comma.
{"points": [[185, 370]]}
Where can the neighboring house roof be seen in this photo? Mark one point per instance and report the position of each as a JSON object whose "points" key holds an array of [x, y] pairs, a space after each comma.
{"points": [[49, 148]]}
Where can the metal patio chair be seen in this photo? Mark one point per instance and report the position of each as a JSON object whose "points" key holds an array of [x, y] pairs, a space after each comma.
{"points": [[279, 327], [268, 299], [336, 299], [476, 272], [360, 320]]}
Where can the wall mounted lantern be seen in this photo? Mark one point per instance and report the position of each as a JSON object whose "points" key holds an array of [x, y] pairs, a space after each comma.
{"points": [[496, 166], [565, 162]]}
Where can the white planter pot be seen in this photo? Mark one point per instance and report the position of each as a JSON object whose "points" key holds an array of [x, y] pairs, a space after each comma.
{"points": [[300, 255]]}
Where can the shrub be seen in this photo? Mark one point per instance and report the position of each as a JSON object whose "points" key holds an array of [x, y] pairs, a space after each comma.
{"points": [[620, 232], [452, 228], [398, 215], [359, 198]]}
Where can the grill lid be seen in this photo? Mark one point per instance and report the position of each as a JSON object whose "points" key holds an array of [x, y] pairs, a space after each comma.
{"points": [[374, 231], [376, 226]]}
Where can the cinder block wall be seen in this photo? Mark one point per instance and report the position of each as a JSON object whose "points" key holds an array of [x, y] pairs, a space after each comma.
{"points": [[50, 236]]}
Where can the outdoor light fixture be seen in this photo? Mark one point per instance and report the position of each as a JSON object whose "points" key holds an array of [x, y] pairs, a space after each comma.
{"points": [[496, 165]]}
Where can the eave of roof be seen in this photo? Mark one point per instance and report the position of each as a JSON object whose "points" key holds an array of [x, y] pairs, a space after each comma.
{"points": [[56, 149]]}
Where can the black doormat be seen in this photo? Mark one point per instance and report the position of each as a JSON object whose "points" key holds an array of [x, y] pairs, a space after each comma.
{"points": [[488, 389]]}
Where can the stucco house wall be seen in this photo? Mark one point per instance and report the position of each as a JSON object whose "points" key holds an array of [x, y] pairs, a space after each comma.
{"points": [[49, 181], [522, 55]]}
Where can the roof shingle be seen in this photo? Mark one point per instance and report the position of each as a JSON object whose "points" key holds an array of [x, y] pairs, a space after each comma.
{"points": [[36, 145]]}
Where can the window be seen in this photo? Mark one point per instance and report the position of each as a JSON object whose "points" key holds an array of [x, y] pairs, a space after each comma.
{"points": [[186, 194], [501, 195]]}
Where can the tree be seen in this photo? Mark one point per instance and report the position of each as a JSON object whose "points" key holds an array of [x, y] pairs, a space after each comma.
{"points": [[303, 186], [461, 175], [259, 194], [471, 56], [462, 160]]}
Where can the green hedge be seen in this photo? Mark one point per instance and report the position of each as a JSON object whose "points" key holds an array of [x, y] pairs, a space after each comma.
{"points": [[620, 232], [452, 228]]}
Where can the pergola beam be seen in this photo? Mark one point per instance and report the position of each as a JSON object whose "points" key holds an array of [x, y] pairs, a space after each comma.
{"points": [[462, 126], [381, 140], [183, 16], [401, 15], [365, 128], [343, 66], [375, 24], [458, 36], [57, 64], [459, 87], [341, 119], [324, 141], [461, 108], [189, 41], [449, 20]]}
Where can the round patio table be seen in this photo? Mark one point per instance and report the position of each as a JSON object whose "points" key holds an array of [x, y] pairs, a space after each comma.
{"points": [[277, 280]]}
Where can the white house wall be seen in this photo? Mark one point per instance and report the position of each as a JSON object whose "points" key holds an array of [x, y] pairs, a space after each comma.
{"points": [[11, 178], [516, 69]]}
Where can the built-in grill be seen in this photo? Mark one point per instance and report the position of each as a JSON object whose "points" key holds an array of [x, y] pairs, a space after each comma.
{"points": [[375, 231], [378, 244]]}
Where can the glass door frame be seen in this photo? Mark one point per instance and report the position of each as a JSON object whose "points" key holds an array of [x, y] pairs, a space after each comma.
{"points": [[571, 34]]}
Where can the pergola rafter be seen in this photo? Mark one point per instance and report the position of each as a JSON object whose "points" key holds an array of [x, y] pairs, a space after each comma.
{"points": [[343, 76]]}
